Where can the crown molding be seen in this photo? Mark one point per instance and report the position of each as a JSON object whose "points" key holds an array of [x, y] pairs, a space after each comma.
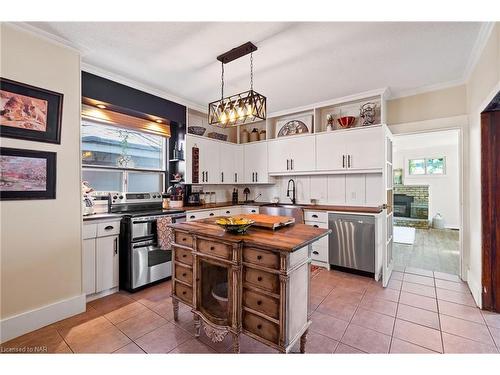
{"points": [[425, 89], [477, 49]]}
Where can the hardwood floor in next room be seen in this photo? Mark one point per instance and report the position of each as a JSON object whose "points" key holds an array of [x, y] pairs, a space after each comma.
{"points": [[420, 312]]}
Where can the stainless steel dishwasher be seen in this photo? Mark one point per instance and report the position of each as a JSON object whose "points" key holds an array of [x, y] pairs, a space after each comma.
{"points": [[352, 242]]}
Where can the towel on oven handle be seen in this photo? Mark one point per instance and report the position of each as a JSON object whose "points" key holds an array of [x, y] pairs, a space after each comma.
{"points": [[164, 232]]}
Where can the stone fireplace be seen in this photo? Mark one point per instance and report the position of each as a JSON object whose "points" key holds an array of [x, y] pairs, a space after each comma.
{"points": [[411, 206]]}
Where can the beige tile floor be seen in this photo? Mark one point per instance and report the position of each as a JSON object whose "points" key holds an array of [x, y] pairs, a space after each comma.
{"points": [[434, 249], [420, 312]]}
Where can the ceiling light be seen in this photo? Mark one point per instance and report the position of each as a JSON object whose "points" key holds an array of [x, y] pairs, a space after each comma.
{"points": [[101, 106], [244, 107]]}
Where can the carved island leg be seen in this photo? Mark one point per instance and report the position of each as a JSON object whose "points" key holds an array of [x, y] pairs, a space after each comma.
{"points": [[175, 305], [197, 325], [236, 343], [303, 340]]}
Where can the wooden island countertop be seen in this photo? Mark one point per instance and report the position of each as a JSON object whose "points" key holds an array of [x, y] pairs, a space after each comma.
{"points": [[289, 239]]}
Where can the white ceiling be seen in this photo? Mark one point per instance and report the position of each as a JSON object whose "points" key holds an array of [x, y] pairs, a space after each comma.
{"points": [[298, 63]]}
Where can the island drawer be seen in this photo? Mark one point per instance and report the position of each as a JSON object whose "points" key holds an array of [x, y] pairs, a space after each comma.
{"points": [[217, 249], [184, 292], [261, 327], [183, 274], [183, 238], [261, 303], [183, 256], [261, 279], [261, 257]]}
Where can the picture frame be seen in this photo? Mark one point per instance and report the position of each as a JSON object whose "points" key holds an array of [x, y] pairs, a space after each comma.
{"points": [[27, 174], [30, 113], [294, 126]]}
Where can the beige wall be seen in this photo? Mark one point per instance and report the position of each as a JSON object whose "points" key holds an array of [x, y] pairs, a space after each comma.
{"points": [[41, 239], [443, 103], [482, 85]]}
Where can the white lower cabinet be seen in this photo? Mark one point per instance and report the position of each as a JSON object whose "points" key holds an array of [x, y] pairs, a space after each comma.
{"points": [[88, 266], [107, 264], [100, 256], [320, 250], [223, 211]]}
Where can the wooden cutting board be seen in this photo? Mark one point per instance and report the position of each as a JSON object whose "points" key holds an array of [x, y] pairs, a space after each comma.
{"points": [[268, 221]]}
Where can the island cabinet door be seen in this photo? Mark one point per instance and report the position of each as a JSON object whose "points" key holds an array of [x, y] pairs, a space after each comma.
{"points": [[214, 298]]}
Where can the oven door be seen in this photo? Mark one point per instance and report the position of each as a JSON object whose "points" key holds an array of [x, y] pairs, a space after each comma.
{"points": [[143, 227], [149, 263]]}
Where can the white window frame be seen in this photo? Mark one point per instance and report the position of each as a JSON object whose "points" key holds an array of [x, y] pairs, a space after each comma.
{"points": [[408, 160]]}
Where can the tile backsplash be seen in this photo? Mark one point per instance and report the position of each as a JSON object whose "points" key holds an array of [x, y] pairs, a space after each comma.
{"points": [[339, 189]]}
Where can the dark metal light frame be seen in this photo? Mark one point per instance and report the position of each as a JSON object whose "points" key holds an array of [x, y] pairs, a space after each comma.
{"points": [[245, 107]]}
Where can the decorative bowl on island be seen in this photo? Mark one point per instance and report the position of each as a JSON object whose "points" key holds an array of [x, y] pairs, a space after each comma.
{"points": [[346, 121], [234, 224]]}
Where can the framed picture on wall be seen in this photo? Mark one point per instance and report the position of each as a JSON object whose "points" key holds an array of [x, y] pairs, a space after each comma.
{"points": [[27, 174], [30, 113]]}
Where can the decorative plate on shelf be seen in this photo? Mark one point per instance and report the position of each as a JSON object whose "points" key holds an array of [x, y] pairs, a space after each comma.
{"points": [[299, 125]]}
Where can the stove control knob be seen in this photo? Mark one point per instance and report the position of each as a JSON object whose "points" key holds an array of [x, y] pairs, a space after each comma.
{"points": [[115, 197], [121, 197]]}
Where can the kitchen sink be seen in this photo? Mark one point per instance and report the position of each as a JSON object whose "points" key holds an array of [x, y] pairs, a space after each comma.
{"points": [[278, 209]]}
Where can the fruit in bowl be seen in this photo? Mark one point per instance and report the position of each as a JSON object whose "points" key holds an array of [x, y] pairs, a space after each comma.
{"points": [[346, 121], [234, 224]]}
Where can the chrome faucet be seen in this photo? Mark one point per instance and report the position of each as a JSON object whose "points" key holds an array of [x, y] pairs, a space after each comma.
{"points": [[293, 190]]}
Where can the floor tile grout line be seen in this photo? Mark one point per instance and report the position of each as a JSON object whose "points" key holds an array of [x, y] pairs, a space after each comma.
{"points": [[395, 318], [439, 318]]}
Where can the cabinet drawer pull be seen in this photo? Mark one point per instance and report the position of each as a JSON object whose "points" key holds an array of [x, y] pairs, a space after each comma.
{"points": [[184, 292], [184, 238], [212, 248], [259, 257], [259, 302], [184, 274], [211, 214], [316, 226], [228, 212], [183, 255], [192, 217], [315, 216], [259, 278], [253, 211], [315, 252], [259, 326], [109, 227]]}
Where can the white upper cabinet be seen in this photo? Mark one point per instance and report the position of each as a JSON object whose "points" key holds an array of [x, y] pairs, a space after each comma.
{"points": [[255, 163], [209, 168], [231, 163], [290, 155], [350, 150]]}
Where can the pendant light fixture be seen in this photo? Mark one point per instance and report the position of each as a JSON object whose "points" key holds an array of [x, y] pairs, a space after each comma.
{"points": [[245, 107]]}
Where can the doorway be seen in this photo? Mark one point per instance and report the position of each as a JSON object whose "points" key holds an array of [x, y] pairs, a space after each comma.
{"points": [[490, 204], [427, 216]]}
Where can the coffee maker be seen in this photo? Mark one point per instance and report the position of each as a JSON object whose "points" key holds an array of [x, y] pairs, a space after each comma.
{"points": [[192, 196]]}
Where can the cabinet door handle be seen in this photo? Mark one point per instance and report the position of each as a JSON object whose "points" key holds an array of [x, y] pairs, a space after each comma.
{"points": [[253, 176], [116, 246], [236, 177], [315, 252], [287, 162], [349, 161], [291, 164], [222, 176], [343, 161], [108, 227], [256, 177], [206, 174]]}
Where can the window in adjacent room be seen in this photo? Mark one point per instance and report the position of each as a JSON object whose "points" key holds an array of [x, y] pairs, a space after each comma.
{"points": [[427, 166]]}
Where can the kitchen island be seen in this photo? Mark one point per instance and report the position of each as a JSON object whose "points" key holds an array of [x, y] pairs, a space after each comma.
{"points": [[255, 283]]}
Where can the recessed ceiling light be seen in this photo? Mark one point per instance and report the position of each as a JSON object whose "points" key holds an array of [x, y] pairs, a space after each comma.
{"points": [[102, 106], [158, 121]]}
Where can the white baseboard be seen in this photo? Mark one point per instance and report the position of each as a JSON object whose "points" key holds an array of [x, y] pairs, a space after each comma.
{"points": [[475, 288], [29, 321], [105, 293]]}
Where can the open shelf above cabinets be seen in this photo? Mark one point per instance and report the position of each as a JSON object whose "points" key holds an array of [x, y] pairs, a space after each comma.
{"points": [[197, 124]]}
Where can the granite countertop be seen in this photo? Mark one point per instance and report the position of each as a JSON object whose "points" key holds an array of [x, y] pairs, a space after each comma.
{"points": [[289, 238]]}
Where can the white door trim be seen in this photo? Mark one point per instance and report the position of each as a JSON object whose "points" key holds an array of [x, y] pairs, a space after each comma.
{"points": [[461, 124]]}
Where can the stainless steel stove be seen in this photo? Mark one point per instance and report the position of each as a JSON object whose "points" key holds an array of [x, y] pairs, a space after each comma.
{"points": [[142, 262]]}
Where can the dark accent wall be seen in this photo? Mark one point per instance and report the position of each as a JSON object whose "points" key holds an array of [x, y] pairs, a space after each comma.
{"points": [[130, 100]]}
